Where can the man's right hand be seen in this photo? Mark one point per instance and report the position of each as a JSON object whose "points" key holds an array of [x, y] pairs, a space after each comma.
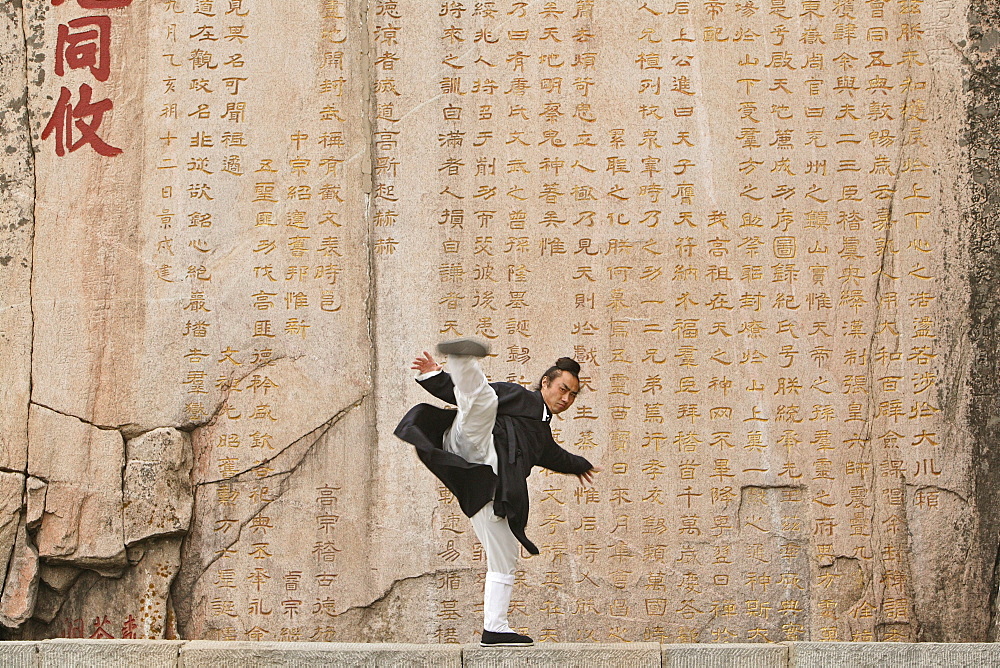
{"points": [[425, 363], [587, 477]]}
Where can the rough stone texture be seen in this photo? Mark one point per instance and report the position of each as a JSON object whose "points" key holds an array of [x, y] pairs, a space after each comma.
{"points": [[205, 654], [48, 602], [568, 655], [20, 590], [82, 520], [11, 505], [55, 582], [769, 234], [892, 655], [983, 216], [157, 497], [104, 653], [135, 605], [35, 501], [59, 578], [17, 194], [728, 656]]}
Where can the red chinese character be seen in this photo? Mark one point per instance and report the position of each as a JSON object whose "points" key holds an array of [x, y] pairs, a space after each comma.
{"points": [[74, 628], [65, 117], [129, 627], [99, 630], [87, 45], [97, 4]]}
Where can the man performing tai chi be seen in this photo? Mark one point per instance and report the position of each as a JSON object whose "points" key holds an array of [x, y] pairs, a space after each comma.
{"points": [[483, 453]]}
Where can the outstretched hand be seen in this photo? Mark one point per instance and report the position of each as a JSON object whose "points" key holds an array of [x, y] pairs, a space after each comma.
{"points": [[425, 363], [587, 477]]}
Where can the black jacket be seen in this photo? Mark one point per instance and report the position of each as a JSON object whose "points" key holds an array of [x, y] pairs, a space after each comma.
{"points": [[522, 440]]}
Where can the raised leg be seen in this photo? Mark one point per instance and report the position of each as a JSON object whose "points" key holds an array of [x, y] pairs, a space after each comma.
{"points": [[471, 434]]}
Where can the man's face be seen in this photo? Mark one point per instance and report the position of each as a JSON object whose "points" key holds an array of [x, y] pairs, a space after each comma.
{"points": [[560, 393]]}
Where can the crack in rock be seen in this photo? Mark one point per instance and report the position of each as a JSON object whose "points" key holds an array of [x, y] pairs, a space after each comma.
{"points": [[224, 400], [316, 435], [102, 427], [365, 607], [317, 432]]}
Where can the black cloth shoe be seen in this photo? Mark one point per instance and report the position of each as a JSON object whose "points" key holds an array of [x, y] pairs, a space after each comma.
{"points": [[466, 346], [494, 639]]}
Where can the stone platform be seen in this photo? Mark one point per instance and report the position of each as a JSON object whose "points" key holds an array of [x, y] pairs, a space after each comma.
{"points": [[209, 654]]}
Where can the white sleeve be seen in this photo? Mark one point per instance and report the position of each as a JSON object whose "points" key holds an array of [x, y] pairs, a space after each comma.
{"points": [[425, 376]]}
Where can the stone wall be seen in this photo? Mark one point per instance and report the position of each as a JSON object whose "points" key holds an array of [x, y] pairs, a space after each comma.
{"points": [[767, 232]]}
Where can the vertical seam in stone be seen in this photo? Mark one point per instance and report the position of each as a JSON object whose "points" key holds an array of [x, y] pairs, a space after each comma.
{"points": [[13, 549], [121, 506], [869, 427], [34, 204], [366, 65], [30, 158]]}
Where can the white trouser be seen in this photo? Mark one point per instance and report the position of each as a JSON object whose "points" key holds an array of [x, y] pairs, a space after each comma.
{"points": [[471, 437], [471, 434]]}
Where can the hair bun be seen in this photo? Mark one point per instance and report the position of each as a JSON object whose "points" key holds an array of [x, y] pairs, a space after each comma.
{"points": [[568, 364]]}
